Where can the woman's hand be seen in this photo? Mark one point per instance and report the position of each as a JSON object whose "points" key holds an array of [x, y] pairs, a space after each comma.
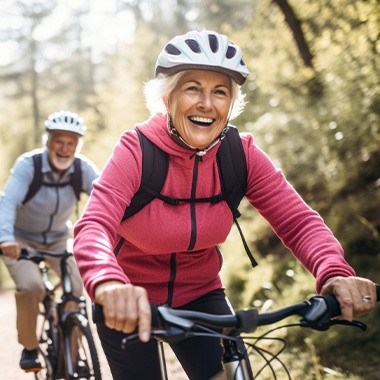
{"points": [[125, 307], [355, 295], [11, 249]]}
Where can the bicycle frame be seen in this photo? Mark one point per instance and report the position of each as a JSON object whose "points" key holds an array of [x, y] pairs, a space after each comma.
{"points": [[235, 366]]}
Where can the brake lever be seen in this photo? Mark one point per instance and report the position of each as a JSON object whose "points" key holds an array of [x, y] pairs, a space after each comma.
{"points": [[344, 322], [325, 324], [31, 254], [171, 334], [317, 316]]}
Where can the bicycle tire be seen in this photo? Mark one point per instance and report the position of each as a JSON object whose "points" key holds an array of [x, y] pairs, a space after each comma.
{"points": [[46, 372], [80, 344], [50, 351]]}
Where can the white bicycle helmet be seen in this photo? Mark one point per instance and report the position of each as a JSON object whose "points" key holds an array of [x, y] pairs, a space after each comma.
{"points": [[206, 50], [65, 121]]}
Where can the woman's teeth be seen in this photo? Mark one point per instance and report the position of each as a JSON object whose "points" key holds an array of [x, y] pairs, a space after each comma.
{"points": [[201, 120]]}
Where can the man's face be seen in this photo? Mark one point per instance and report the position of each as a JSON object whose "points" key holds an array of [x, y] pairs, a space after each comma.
{"points": [[61, 146]]}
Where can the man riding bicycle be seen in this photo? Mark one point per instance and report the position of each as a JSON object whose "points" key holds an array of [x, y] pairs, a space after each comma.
{"points": [[40, 218]]}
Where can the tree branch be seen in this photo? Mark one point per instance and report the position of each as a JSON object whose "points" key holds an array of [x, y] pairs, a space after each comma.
{"points": [[295, 26]]}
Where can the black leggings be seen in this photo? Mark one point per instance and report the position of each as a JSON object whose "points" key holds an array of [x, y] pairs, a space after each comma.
{"points": [[199, 357]]}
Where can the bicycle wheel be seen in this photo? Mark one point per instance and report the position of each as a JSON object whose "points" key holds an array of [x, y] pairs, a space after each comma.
{"points": [[49, 351], [46, 372], [82, 361]]}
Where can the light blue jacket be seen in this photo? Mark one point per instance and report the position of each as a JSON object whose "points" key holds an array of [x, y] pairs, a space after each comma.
{"points": [[46, 217]]}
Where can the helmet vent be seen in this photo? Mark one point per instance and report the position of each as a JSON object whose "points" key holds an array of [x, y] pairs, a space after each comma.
{"points": [[231, 52], [171, 49], [213, 41], [193, 45], [65, 121]]}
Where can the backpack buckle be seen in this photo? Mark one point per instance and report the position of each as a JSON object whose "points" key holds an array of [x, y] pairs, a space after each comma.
{"points": [[217, 198]]}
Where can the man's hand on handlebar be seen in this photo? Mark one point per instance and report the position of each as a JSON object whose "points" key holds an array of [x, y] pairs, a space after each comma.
{"points": [[10, 249], [125, 307], [356, 295]]}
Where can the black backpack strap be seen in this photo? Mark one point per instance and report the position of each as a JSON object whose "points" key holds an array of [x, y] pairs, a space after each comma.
{"points": [[37, 181], [153, 176], [232, 169], [37, 178], [233, 174], [154, 171], [76, 178]]}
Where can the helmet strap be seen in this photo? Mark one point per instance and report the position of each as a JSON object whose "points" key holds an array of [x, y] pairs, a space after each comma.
{"points": [[182, 142]]}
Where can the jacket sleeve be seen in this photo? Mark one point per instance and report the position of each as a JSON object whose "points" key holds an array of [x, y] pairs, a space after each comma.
{"points": [[301, 229], [96, 232], [13, 194]]}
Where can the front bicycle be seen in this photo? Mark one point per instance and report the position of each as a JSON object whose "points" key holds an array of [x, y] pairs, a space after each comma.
{"points": [[66, 345]]}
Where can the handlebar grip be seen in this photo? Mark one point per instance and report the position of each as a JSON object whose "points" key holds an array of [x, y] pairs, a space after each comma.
{"points": [[333, 305], [23, 251], [98, 315]]}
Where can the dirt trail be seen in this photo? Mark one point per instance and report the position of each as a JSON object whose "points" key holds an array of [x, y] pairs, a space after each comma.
{"points": [[10, 349]]}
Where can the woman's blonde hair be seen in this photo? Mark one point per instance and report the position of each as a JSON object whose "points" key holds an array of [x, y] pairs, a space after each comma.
{"points": [[162, 86]]}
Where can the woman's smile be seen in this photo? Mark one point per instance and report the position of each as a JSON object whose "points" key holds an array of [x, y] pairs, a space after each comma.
{"points": [[199, 106], [201, 121]]}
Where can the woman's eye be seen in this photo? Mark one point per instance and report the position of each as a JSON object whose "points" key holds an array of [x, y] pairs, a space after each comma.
{"points": [[192, 88], [220, 92]]}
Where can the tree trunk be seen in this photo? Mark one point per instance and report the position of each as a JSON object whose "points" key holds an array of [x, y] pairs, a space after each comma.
{"points": [[295, 26]]}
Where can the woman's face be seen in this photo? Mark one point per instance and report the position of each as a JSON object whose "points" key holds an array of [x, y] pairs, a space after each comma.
{"points": [[61, 146], [199, 106]]}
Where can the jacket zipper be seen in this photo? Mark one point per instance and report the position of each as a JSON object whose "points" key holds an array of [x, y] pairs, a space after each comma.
{"points": [[173, 273], [193, 235], [51, 217]]}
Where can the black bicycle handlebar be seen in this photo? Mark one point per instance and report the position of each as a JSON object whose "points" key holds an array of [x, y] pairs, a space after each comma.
{"points": [[316, 313], [37, 255]]}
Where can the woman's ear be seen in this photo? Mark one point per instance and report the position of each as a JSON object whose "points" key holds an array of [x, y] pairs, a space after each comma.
{"points": [[166, 102]]}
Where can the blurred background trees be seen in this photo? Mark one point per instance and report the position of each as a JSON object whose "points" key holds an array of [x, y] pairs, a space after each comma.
{"points": [[313, 106]]}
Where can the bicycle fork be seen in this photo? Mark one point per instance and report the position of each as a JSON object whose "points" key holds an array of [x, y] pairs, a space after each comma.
{"points": [[234, 363]]}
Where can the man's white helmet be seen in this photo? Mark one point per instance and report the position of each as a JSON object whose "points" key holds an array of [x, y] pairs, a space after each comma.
{"points": [[65, 121], [206, 50]]}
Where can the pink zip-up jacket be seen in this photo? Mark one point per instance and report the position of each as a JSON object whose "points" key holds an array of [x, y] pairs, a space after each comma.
{"points": [[172, 251]]}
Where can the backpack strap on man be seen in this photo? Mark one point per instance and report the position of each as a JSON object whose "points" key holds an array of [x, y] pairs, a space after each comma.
{"points": [[37, 181], [37, 178]]}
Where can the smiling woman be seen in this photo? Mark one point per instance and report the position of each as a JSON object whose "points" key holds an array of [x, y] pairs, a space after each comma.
{"points": [[199, 107], [168, 252]]}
